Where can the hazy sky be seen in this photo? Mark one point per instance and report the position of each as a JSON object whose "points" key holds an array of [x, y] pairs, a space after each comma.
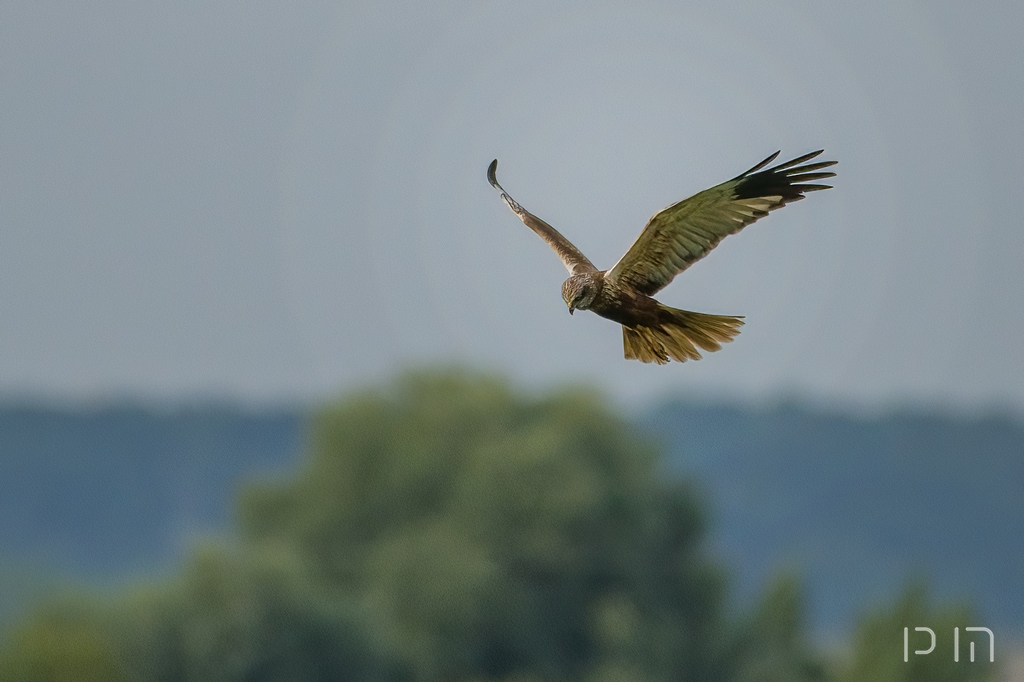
{"points": [[282, 201]]}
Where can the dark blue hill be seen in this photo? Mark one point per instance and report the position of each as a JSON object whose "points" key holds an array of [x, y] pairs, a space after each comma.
{"points": [[856, 506], [119, 490], [860, 505]]}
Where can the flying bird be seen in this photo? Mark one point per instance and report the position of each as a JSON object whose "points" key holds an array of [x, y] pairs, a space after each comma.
{"points": [[673, 239]]}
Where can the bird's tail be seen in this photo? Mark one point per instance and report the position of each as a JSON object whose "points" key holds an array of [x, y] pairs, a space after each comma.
{"points": [[678, 336]]}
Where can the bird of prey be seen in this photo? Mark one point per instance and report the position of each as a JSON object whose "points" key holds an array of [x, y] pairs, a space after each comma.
{"points": [[673, 239]]}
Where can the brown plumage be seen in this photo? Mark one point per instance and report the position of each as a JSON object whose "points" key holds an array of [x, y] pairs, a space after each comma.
{"points": [[673, 240]]}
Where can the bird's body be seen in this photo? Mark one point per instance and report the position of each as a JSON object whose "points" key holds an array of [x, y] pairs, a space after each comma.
{"points": [[627, 307], [673, 239]]}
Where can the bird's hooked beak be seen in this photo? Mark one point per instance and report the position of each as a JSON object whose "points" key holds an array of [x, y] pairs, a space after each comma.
{"points": [[571, 308]]}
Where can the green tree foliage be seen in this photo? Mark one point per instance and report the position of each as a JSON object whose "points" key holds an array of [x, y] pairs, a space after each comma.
{"points": [[60, 645], [878, 644], [246, 615], [496, 535], [771, 645]]}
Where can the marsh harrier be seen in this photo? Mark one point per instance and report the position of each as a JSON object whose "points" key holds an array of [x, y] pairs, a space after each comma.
{"points": [[672, 241]]}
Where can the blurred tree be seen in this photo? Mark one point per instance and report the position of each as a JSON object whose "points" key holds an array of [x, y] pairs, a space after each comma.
{"points": [[772, 644], [498, 535], [60, 644], [878, 644], [252, 615]]}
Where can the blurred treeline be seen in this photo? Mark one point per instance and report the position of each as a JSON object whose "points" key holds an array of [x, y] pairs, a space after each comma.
{"points": [[450, 529]]}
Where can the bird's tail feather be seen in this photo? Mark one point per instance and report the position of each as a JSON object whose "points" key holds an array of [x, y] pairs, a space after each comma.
{"points": [[679, 335]]}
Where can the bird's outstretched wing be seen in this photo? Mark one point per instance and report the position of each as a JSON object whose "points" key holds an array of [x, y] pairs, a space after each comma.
{"points": [[683, 233], [575, 262]]}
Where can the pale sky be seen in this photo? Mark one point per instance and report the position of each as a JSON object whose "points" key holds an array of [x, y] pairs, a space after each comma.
{"points": [[276, 202]]}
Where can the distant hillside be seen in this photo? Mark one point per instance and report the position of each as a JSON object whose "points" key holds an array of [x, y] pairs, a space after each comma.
{"points": [[121, 490], [855, 505]]}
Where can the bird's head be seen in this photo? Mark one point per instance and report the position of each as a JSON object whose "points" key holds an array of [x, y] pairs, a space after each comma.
{"points": [[579, 291]]}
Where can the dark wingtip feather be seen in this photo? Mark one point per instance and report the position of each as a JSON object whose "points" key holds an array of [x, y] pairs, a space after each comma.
{"points": [[796, 161], [491, 174], [758, 166], [785, 179], [804, 177], [816, 166]]}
